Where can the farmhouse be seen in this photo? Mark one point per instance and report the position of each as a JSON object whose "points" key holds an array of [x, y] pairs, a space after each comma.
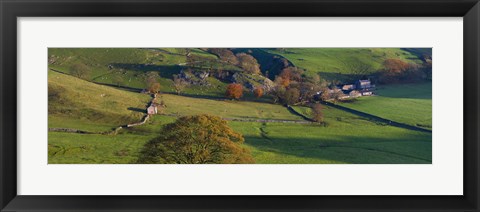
{"points": [[364, 84], [152, 109], [348, 87]]}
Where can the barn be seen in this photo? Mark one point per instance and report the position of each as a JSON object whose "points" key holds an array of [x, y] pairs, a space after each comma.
{"points": [[152, 109]]}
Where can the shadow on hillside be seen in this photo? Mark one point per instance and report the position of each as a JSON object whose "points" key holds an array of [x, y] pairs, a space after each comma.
{"points": [[221, 97], [419, 52], [165, 71], [408, 91], [140, 110], [350, 149], [342, 77]]}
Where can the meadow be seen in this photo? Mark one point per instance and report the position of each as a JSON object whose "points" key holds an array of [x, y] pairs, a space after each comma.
{"points": [[110, 97], [341, 63], [411, 104]]}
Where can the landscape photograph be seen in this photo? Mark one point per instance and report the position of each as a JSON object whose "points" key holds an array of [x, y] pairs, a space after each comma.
{"points": [[239, 105]]}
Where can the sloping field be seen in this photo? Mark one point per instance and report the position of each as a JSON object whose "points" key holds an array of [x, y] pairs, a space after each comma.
{"points": [[180, 105], [339, 63], [405, 103], [76, 103]]}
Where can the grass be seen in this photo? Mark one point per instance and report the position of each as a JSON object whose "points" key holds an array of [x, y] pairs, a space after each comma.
{"points": [[406, 103], [336, 63], [79, 104], [181, 105], [125, 66], [72, 148], [345, 138]]}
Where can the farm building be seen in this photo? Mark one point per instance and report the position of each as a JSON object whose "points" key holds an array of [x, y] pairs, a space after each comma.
{"points": [[152, 109], [348, 87], [366, 93], [354, 94], [364, 84]]}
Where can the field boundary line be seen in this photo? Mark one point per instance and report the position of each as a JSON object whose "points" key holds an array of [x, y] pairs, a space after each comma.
{"points": [[376, 118]]}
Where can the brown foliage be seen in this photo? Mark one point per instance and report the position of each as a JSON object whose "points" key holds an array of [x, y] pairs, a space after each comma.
{"points": [[200, 139], [179, 84], [152, 84], [292, 73], [248, 63], [400, 71], [225, 55], [258, 92], [395, 65], [337, 94], [80, 70], [234, 91], [317, 112], [284, 82], [291, 96]]}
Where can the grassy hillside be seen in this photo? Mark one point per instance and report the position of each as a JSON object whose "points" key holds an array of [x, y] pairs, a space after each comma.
{"points": [[78, 104], [339, 63], [127, 66], [344, 138], [180, 105], [406, 103]]}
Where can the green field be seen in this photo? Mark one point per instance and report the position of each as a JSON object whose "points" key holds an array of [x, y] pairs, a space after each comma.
{"points": [[76, 103], [340, 63], [338, 142], [405, 103], [276, 143], [179, 105], [88, 105]]}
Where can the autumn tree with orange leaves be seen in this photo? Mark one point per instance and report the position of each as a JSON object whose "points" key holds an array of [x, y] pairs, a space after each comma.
{"points": [[258, 92], [234, 91]]}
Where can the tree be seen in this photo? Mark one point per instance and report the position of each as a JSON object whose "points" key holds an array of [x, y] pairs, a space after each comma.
{"points": [[397, 70], [179, 84], [225, 55], [395, 65], [234, 91], [337, 94], [153, 86], [248, 63], [278, 93], [291, 96], [284, 82], [317, 112], [80, 70], [258, 92], [200, 139], [325, 93], [292, 73]]}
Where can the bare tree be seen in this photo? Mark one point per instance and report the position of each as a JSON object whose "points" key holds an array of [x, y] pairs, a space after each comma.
{"points": [[179, 84]]}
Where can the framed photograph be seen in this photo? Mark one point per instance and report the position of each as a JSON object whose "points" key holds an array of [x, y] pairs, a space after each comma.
{"points": [[229, 106]]}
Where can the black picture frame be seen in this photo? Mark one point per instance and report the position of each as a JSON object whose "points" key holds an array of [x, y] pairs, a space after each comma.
{"points": [[10, 10]]}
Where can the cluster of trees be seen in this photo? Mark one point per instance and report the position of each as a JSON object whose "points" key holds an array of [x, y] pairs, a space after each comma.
{"points": [[243, 60], [398, 71], [179, 84], [153, 86], [293, 87], [80, 70], [200, 139], [235, 91]]}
